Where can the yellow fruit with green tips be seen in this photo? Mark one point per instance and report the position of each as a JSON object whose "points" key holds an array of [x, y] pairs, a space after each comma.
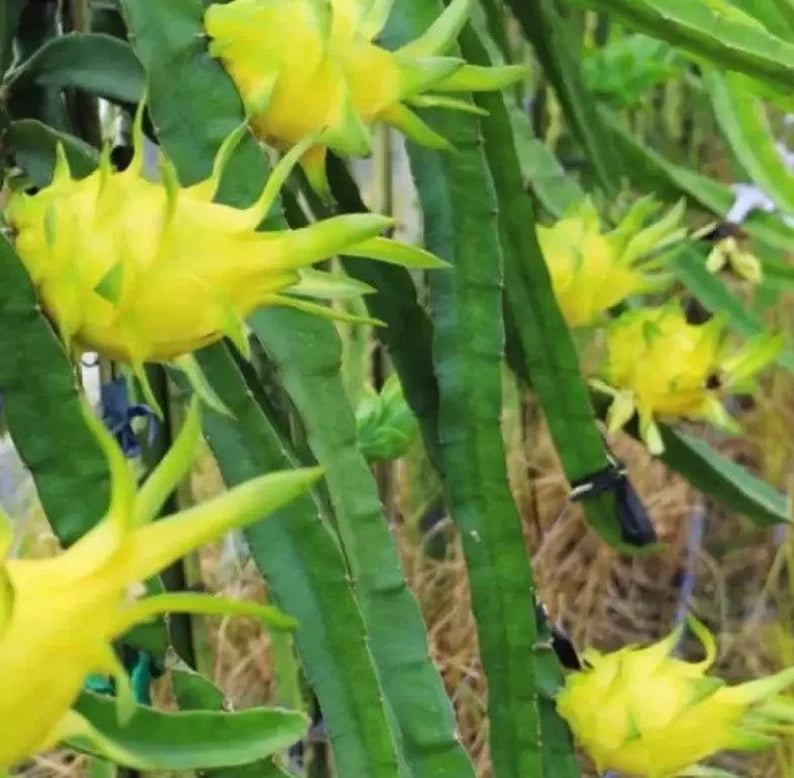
{"points": [[647, 714], [592, 270], [663, 367], [148, 271], [306, 67], [59, 616]]}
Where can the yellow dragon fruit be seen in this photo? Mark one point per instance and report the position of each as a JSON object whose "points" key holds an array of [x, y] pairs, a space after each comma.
{"points": [[142, 271], [59, 615], [592, 271], [646, 714], [312, 66], [663, 367]]}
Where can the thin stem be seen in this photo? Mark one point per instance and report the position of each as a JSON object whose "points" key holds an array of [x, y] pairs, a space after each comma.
{"points": [[384, 202], [697, 525], [174, 577], [83, 108], [202, 651]]}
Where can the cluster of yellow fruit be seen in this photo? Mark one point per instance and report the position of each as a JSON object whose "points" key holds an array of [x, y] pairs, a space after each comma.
{"points": [[149, 271], [144, 271], [641, 711], [658, 364]]}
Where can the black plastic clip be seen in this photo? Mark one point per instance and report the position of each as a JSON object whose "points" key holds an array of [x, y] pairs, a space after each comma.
{"points": [[636, 527]]}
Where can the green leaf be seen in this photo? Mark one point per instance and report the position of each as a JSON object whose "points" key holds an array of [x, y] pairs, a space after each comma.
{"points": [[195, 692], [266, 769], [690, 268], [286, 670], [411, 348], [101, 768], [713, 474], [742, 119], [722, 479], [778, 274], [651, 171], [554, 46], [100, 64], [729, 41], [627, 67], [541, 171], [785, 9], [776, 15], [190, 740], [42, 409], [553, 188], [459, 208], [33, 145]]}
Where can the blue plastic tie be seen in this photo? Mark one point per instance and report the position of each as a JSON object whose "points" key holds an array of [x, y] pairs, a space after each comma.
{"points": [[118, 414]]}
